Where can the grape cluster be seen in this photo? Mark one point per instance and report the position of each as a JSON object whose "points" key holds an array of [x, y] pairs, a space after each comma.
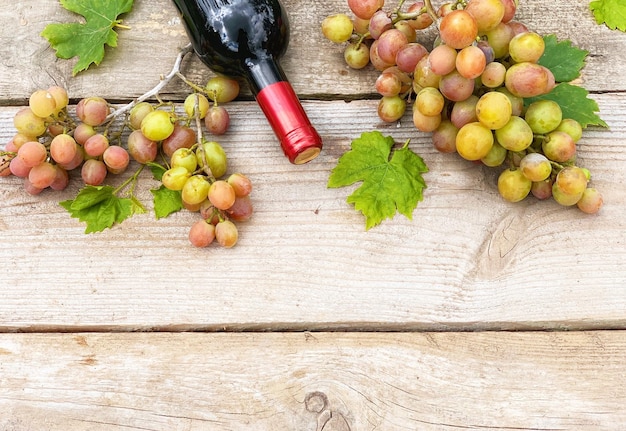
{"points": [[469, 90], [50, 143]]}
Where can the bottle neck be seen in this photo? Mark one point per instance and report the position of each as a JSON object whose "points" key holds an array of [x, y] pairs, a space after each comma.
{"points": [[263, 72]]}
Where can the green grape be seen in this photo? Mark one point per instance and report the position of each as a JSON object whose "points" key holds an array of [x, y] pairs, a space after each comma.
{"points": [[43, 104], [222, 195], [29, 124], [474, 141], [571, 180], [591, 201], [184, 157], [430, 101], [571, 127], [157, 125], [543, 116], [559, 147], [536, 167], [175, 178], [488, 13], [226, 233], [391, 108], [527, 46], [201, 233], [213, 155], [517, 103], [221, 89], [60, 96], [357, 56], [138, 113], [423, 75], [493, 75], [516, 135], [496, 155], [425, 123], [195, 190], [513, 185], [563, 198], [499, 38], [190, 105], [337, 28], [493, 110]]}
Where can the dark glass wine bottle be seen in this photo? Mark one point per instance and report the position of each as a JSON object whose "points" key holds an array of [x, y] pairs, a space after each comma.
{"points": [[246, 38]]}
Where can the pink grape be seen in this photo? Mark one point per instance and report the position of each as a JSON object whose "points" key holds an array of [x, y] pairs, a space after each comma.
{"points": [[116, 158], [222, 195], [96, 145], [241, 209], [241, 184], [380, 22], [226, 233], [63, 148], [364, 9], [487, 13], [82, 132], [32, 153], [181, 137], [201, 233], [471, 62], [61, 179], [443, 59], [217, 120], [30, 188], [18, 168], [140, 148], [389, 43], [458, 29], [456, 87], [93, 172], [92, 110], [409, 55], [42, 175]]}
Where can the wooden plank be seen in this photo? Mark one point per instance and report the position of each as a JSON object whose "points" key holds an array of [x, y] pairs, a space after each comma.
{"points": [[314, 65], [467, 260], [312, 381]]}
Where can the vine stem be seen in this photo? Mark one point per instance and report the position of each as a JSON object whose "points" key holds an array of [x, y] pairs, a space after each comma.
{"points": [[154, 91]]}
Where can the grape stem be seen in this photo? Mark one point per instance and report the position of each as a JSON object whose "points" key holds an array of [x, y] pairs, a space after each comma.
{"points": [[154, 91]]}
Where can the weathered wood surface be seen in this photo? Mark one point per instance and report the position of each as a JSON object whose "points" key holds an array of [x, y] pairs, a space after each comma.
{"points": [[313, 381], [467, 261]]}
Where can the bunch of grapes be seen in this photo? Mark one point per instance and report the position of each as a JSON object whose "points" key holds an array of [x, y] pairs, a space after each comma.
{"points": [[470, 89], [50, 143]]}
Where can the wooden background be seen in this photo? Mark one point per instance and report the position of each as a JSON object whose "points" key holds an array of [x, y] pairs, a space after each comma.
{"points": [[477, 314]]}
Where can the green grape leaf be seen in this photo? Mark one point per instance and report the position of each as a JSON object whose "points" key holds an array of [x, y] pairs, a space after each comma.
{"points": [[157, 170], [389, 184], [563, 59], [100, 208], [87, 40], [612, 13], [166, 201], [574, 103]]}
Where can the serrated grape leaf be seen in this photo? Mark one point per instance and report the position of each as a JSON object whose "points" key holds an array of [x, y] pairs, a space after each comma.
{"points": [[166, 201], [86, 40], [562, 58], [389, 184], [100, 208], [574, 103], [612, 13]]}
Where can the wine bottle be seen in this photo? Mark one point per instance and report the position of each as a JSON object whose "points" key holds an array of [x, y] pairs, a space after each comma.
{"points": [[245, 39]]}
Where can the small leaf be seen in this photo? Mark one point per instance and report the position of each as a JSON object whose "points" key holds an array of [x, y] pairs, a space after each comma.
{"points": [[563, 59], [389, 184], [99, 208], [157, 170], [612, 13], [574, 103], [86, 41], [166, 201]]}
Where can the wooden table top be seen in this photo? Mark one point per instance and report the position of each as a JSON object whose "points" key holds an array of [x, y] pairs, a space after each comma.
{"points": [[476, 314]]}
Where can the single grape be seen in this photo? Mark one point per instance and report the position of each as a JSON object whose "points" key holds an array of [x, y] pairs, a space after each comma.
{"points": [[116, 158], [515, 135], [496, 155], [241, 209], [380, 22], [517, 103], [138, 113], [201, 233], [241, 184], [32, 153], [212, 154], [425, 123], [203, 105], [591, 201], [221, 89], [405, 28], [93, 172], [474, 141], [487, 13], [217, 120], [390, 43], [388, 84], [140, 148], [76, 161], [175, 178], [96, 145], [19, 139], [424, 76], [563, 198], [391, 108], [42, 104], [364, 9], [42, 175], [29, 124], [443, 59], [536, 167], [456, 87], [55, 129], [92, 110], [196, 189], [493, 75], [529, 80], [60, 96], [518, 27], [226, 233], [458, 29], [375, 59], [499, 38], [82, 132], [464, 112], [157, 125], [30, 188], [542, 189], [63, 148], [471, 62], [423, 20], [337, 28], [61, 179], [528, 46], [181, 137], [357, 56], [186, 158], [444, 137], [361, 26], [543, 116], [221, 195], [571, 180], [494, 110], [409, 55], [430, 101], [484, 46], [18, 168], [510, 7], [513, 186], [571, 127]]}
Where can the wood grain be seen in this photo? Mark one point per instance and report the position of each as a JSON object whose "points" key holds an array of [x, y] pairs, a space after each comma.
{"points": [[312, 381]]}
